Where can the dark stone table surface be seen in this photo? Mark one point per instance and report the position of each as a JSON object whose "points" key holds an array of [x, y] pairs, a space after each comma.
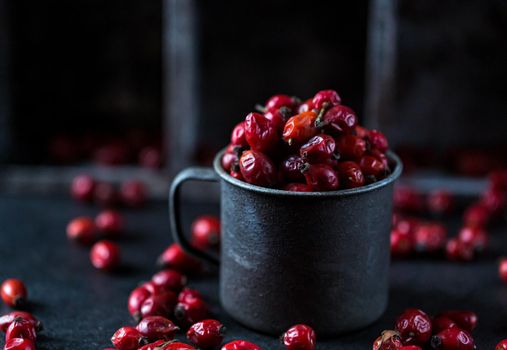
{"points": [[81, 307]]}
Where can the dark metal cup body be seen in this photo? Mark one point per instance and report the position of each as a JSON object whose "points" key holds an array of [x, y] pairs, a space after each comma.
{"points": [[316, 258]]}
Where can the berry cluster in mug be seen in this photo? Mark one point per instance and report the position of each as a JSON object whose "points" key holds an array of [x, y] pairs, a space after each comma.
{"points": [[315, 145]]}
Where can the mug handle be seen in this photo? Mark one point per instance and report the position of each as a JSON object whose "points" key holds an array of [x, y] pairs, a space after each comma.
{"points": [[188, 174]]}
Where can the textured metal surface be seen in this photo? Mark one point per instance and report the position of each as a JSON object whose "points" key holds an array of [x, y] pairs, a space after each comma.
{"points": [[318, 258]]}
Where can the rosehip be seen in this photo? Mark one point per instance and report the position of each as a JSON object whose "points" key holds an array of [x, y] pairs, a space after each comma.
{"points": [[20, 328], [401, 243], [206, 334], [257, 169], [159, 304], [7, 319], [337, 120], [325, 98], [410, 347], [133, 193], [493, 200], [206, 231], [105, 194], [441, 322], [414, 326], [476, 215], [188, 294], [238, 135], [278, 117], [458, 251], [278, 101], [177, 346], [371, 166], [407, 199], [158, 345], [297, 187], [453, 339], [378, 140], [230, 157], [156, 328], [305, 106], [240, 345], [388, 340], [82, 188], [300, 128], [351, 147], [502, 270], [237, 175], [19, 344], [191, 311], [380, 156], [105, 255], [13, 292], [176, 258], [109, 221], [261, 133], [474, 237], [361, 132], [321, 177], [350, 174], [430, 237], [318, 149], [299, 337], [82, 230], [498, 180], [466, 320], [407, 225], [440, 201], [170, 280], [502, 345], [291, 167], [128, 338]]}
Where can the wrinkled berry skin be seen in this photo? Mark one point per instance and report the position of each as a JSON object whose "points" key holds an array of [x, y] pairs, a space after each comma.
{"points": [[388, 340], [466, 320], [105, 255], [351, 147], [371, 166], [502, 270], [152, 346], [240, 345], [502, 345], [297, 187], [128, 338], [414, 326], [257, 169], [7, 319], [230, 157], [188, 294], [378, 140], [430, 237], [321, 177], [159, 304], [318, 149], [13, 292], [338, 120], [177, 346], [175, 257], [20, 328], [278, 101], [290, 169], [350, 175], [305, 106], [453, 339], [156, 328], [299, 337], [170, 280], [191, 311], [206, 232], [299, 128], [238, 137], [19, 344], [261, 133], [326, 97], [206, 334]]}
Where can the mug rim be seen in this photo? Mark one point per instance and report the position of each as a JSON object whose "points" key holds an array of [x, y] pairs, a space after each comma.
{"points": [[217, 165]]}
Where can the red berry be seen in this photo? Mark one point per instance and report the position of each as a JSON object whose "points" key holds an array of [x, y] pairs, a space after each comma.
{"points": [[19, 344], [318, 149], [177, 346], [378, 140], [82, 230], [206, 231], [414, 326], [112, 153], [350, 174], [440, 202], [109, 221], [299, 337], [338, 120], [430, 237], [261, 133], [82, 188], [407, 199], [407, 225], [494, 201], [191, 311], [498, 180], [188, 294], [361, 132], [278, 117], [291, 167], [351, 147], [170, 280], [305, 106], [458, 251], [502, 345], [474, 237], [136, 300], [476, 215], [388, 340], [299, 128], [150, 157], [372, 167], [410, 347], [159, 304], [156, 328], [105, 255], [240, 345], [466, 320], [297, 187], [230, 157], [133, 193], [278, 101], [158, 345], [13, 292], [128, 338], [321, 177], [20, 328], [176, 258], [206, 334], [401, 243], [237, 175], [238, 135], [325, 98], [7, 319], [502, 270], [441, 323], [256, 168], [105, 194], [453, 339]]}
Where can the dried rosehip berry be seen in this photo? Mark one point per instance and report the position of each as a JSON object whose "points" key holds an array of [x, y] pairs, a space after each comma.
{"points": [[325, 98], [498, 180], [440, 202], [170, 280], [300, 128], [206, 334], [410, 347], [176, 258], [20, 328], [476, 215], [19, 344], [82, 230], [278, 117], [430, 237], [105, 255], [240, 345], [502, 270], [257, 169], [278, 101], [82, 188], [159, 304], [238, 135], [407, 199], [338, 120], [441, 322], [156, 328], [351, 147], [474, 237], [191, 311], [177, 346], [109, 221], [502, 345], [361, 132], [408, 225], [464, 319], [128, 338], [133, 193], [158, 345], [402, 243], [230, 157], [13, 292], [414, 326], [187, 294], [318, 149], [371, 166], [136, 300], [291, 167], [206, 232], [297, 187], [305, 106], [261, 133], [321, 177], [494, 201], [378, 140], [456, 250], [453, 339], [7, 319], [350, 174], [388, 340], [299, 337]]}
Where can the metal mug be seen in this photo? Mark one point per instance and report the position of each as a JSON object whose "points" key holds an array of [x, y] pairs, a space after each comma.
{"points": [[319, 258]]}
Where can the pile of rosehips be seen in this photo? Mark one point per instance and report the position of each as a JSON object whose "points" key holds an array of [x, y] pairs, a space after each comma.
{"points": [[316, 145], [20, 327]]}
